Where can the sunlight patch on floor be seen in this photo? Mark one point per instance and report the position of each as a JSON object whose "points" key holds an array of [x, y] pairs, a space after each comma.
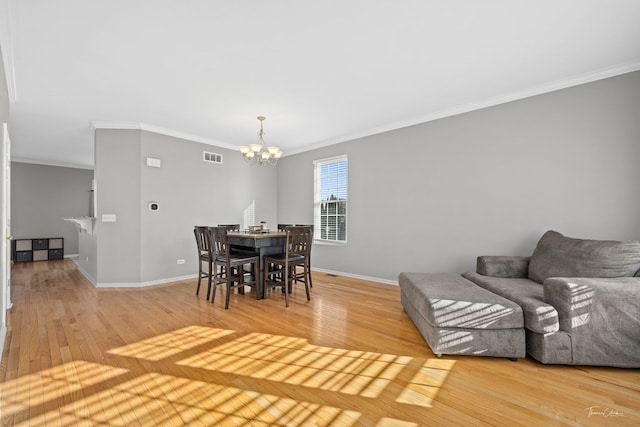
{"points": [[294, 361], [56, 393], [166, 345], [200, 375], [424, 385]]}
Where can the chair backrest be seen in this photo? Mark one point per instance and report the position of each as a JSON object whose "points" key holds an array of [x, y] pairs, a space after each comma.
{"points": [[283, 227], [230, 227], [299, 240], [218, 240], [202, 239], [305, 225]]}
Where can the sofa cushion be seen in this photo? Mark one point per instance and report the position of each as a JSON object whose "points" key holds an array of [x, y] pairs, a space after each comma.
{"points": [[503, 266], [448, 300], [539, 316], [560, 256]]}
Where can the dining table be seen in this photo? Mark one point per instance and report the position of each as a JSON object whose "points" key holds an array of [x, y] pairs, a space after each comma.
{"points": [[262, 243]]}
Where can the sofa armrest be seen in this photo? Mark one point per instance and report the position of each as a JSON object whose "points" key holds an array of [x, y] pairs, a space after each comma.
{"points": [[602, 316], [503, 266]]}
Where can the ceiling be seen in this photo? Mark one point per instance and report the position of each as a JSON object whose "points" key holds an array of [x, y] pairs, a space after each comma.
{"points": [[322, 72]]}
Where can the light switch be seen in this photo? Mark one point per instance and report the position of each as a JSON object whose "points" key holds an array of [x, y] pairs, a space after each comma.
{"points": [[108, 217]]}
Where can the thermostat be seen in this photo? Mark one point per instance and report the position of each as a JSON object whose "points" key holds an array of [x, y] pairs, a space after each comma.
{"points": [[153, 206]]}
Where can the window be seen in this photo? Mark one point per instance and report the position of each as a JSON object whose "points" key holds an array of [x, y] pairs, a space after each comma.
{"points": [[330, 199]]}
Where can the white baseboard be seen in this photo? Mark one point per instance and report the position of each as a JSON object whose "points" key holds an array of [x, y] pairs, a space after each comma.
{"points": [[145, 284], [357, 276], [81, 270], [194, 276], [129, 284]]}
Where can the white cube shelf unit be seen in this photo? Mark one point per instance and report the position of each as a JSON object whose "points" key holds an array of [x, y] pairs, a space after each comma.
{"points": [[27, 250]]}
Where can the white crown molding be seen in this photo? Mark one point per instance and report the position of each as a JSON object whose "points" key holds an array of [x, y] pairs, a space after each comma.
{"points": [[47, 163], [160, 130], [6, 43], [490, 102]]}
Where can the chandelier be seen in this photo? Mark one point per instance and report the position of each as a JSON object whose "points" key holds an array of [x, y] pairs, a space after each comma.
{"points": [[258, 152]]}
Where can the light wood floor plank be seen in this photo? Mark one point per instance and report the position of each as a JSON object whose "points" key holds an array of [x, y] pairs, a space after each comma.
{"points": [[77, 355]]}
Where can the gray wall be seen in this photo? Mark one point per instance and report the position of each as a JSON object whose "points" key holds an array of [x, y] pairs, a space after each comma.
{"points": [[41, 196], [143, 247], [118, 179], [432, 197]]}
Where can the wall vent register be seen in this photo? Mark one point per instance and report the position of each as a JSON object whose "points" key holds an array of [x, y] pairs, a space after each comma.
{"points": [[212, 157]]}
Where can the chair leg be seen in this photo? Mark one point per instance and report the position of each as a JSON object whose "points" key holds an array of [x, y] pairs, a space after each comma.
{"points": [[241, 279], [265, 278], [209, 281], [256, 279], [199, 276], [286, 287], [214, 274], [306, 288], [292, 275], [228, 293], [230, 287], [213, 294]]}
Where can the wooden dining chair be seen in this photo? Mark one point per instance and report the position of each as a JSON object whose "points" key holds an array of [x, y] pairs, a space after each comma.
{"points": [[205, 257], [297, 247], [234, 227], [229, 268], [308, 263], [283, 227]]}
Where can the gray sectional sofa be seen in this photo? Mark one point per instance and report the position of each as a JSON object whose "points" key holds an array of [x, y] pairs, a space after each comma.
{"points": [[577, 302]]}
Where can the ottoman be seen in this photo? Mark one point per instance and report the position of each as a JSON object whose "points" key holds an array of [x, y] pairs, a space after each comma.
{"points": [[455, 316]]}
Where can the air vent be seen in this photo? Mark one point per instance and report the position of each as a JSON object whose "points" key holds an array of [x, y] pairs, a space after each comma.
{"points": [[212, 157]]}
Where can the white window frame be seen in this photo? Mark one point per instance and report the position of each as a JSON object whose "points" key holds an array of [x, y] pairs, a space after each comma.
{"points": [[317, 199]]}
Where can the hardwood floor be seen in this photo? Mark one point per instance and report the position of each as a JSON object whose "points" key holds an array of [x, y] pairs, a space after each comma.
{"points": [[77, 355]]}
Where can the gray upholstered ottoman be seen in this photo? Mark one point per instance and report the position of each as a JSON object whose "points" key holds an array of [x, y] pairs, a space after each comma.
{"points": [[457, 317]]}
